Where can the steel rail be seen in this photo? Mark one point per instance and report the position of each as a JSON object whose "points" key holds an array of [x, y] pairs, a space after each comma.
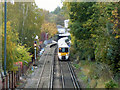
{"points": [[75, 82], [51, 80], [52, 72], [42, 71], [63, 82], [71, 75]]}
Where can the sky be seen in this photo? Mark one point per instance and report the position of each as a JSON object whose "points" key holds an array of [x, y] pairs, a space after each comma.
{"points": [[48, 4]]}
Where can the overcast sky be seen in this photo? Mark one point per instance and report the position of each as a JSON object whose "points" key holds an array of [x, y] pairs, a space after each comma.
{"points": [[48, 4]]}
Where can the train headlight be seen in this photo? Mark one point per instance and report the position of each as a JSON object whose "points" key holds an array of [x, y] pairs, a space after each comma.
{"points": [[66, 54], [59, 54]]}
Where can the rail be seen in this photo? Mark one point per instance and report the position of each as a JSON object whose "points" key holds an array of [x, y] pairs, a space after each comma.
{"points": [[75, 82], [42, 71]]}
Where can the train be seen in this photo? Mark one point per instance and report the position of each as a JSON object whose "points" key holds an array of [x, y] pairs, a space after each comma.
{"points": [[64, 35], [63, 48]]}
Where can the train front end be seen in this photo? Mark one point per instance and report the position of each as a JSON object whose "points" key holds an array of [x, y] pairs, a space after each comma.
{"points": [[63, 53]]}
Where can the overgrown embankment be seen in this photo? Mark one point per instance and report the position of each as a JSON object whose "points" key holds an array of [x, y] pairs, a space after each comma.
{"points": [[95, 75]]}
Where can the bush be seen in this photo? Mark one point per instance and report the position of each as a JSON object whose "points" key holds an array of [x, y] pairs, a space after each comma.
{"points": [[111, 84]]}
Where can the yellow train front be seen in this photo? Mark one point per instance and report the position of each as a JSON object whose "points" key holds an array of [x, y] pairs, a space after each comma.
{"points": [[63, 50]]}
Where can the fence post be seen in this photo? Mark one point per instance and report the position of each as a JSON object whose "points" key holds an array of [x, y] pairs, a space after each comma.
{"points": [[7, 81], [15, 79], [3, 83], [18, 74], [9, 78], [12, 80], [23, 69]]}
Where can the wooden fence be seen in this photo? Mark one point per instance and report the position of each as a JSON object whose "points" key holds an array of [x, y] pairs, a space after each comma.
{"points": [[12, 79]]}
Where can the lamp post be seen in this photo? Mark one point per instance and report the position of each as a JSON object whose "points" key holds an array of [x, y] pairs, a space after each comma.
{"points": [[5, 16]]}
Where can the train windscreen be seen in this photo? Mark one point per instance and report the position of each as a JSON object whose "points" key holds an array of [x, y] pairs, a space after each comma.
{"points": [[63, 49]]}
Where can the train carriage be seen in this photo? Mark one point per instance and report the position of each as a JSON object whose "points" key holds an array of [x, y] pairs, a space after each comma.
{"points": [[63, 49]]}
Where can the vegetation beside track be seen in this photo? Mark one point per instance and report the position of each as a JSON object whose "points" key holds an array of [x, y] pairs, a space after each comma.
{"points": [[95, 75], [24, 21], [95, 32]]}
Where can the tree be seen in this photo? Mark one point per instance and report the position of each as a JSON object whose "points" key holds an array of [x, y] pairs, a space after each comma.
{"points": [[95, 31], [49, 28], [24, 22], [57, 16], [26, 19], [13, 49]]}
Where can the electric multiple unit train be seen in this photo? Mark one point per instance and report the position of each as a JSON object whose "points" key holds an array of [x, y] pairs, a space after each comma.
{"points": [[63, 49]]}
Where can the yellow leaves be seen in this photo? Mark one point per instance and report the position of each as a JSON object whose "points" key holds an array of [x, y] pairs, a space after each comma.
{"points": [[115, 25], [116, 21], [8, 23], [93, 35], [25, 45], [118, 36], [113, 13], [84, 25], [49, 28], [108, 18], [12, 38], [23, 54], [78, 40]]}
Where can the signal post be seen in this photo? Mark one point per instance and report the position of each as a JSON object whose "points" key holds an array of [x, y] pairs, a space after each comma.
{"points": [[35, 44]]}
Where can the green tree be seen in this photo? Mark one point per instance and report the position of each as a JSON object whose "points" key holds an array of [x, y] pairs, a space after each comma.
{"points": [[49, 28], [95, 31], [26, 19], [24, 22], [13, 49]]}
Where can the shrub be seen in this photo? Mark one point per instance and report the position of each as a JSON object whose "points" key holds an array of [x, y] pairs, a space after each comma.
{"points": [[111, 84]]}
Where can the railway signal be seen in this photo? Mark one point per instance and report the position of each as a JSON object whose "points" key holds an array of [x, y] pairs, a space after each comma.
{"points": [[35, 44]]}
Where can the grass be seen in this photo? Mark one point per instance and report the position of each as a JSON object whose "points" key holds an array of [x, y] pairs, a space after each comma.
{"points": [[76, 66], [93, 75]]}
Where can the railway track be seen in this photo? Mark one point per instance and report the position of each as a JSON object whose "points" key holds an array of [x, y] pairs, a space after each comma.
{"points": [[46, 72], [73, 76], [55, 73], [63, 75], [68, 77], [57, 81]]}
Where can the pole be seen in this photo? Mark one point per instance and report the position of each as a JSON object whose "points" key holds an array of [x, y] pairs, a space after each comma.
{"points": [[5, 10], [35, 54]]}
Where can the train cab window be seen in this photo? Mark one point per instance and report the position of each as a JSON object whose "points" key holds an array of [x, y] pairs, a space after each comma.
{"points": [[63, 49], [67, 40]]}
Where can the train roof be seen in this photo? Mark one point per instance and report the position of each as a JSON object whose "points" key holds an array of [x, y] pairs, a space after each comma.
{"points": [[65, 34], [62, 43], [62, 39]]}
